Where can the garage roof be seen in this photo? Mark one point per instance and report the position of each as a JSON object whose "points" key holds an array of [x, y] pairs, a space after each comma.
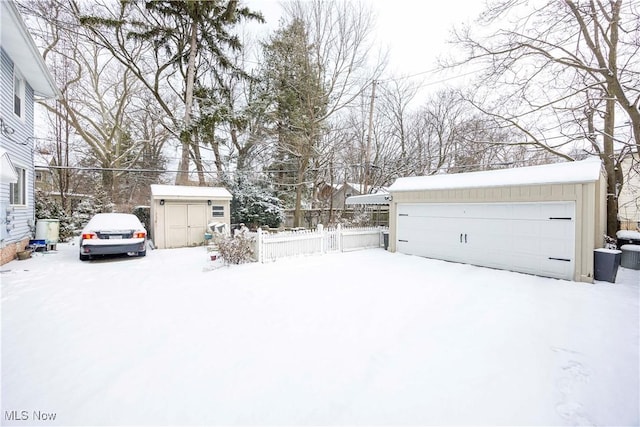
{"points": [[185, 191], [557, 173]]}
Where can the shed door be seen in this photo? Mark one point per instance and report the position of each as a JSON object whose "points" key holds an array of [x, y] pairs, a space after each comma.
{"points": [[536, 238], [185, 224]]}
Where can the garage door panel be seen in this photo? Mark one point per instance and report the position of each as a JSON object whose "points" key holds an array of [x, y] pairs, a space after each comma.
{"points": [[425, 236], [536, 238]]}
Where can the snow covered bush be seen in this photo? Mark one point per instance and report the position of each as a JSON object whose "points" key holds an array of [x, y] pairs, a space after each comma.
{"points": [[234, 250], [144, 215], [255, 205], [359, 217], [49, 208], [610, 242], [90, 206]]}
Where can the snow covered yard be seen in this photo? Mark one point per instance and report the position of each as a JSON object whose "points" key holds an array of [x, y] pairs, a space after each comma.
{"points": [[365, 337]]}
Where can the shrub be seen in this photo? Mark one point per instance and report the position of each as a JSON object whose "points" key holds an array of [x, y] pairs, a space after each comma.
{"points": [[234, 250], [144, 215], [49, 208], [255, 205]]}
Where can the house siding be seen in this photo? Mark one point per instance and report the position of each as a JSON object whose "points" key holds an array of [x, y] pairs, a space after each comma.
{"points": [[629, 200], [17, 221]]}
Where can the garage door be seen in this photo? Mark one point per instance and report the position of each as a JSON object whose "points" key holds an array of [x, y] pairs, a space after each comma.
{"points": [[536, 238], [185, 224]]}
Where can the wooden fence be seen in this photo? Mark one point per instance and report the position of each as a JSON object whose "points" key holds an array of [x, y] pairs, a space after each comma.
{"points": [[271, 246]]}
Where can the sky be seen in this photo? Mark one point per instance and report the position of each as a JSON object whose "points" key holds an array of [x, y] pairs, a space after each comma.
{"points": [[414, 31], [357, 338]]}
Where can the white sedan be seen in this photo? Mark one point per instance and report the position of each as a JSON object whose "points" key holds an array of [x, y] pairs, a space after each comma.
{"points": [[113, 233]]}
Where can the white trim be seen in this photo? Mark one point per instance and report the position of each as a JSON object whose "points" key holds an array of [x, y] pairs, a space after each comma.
{"points": [[22, 50], [7, 170], [17, 75], [25, 186]]}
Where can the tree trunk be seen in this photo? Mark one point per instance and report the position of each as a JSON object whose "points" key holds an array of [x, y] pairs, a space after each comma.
{"points": [[609, 165], [197, 159], [331, 193], [218, 159], [108, 181], [182, 177], [297, 213]]}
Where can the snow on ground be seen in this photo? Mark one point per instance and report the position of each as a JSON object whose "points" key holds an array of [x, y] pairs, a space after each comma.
{"points": [[365, 337]]}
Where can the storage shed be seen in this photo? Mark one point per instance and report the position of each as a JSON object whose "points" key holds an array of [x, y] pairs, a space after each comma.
{"points": [[180, 215], [543, 220]]}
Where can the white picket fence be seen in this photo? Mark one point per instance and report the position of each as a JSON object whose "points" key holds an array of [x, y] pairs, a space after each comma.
{"points": [[272, 246]]}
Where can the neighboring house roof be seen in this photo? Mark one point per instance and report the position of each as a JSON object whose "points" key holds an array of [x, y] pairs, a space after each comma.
{"points": [[186, 191], [557, 173], [337, 186], [17, 42]]}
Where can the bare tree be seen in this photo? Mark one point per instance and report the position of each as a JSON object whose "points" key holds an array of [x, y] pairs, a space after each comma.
{"points": [[58, 150], [546, 60], [181, 38], [97, 104]]}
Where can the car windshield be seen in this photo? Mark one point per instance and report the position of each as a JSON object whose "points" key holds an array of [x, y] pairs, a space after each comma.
{"points": [[114, 221]]}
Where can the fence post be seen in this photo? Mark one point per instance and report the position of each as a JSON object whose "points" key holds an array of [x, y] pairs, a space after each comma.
{"points": [[259, 245], [320, 229], [339, 236]]}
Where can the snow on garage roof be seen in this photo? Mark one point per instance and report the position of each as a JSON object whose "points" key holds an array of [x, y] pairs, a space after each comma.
{"points": [[556, 173], [191, 192]]}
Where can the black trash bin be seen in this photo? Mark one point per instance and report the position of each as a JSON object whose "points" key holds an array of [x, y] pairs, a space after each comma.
{"points": [[606, 263], [630, 256], [627, 237], [385, 237]]}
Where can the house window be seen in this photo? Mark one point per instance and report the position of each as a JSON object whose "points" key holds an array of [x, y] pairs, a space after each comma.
{"points": [[17, 190], [18, 95], [217, 211]]}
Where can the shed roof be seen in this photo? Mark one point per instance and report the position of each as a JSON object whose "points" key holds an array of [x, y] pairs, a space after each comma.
{"points": [[588, 170], [186, 191]]}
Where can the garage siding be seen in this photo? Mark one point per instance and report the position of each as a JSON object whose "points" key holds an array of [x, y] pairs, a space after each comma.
{"points": [[549, 193], [589, 215]]}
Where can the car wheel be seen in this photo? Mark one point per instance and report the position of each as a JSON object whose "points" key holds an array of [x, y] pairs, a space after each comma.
{"points": [[142, 253], [84, 257]]}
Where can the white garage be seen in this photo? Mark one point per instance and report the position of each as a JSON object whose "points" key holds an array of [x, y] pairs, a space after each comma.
{"points": [[543, 220], [180, 215]]}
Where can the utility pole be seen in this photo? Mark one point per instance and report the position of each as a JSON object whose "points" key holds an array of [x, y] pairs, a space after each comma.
{"points": [[368, 150]]}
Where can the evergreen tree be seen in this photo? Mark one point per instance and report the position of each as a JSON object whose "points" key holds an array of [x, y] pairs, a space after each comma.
{"points": [[255, 205], [298, 107], [49, 208]]}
